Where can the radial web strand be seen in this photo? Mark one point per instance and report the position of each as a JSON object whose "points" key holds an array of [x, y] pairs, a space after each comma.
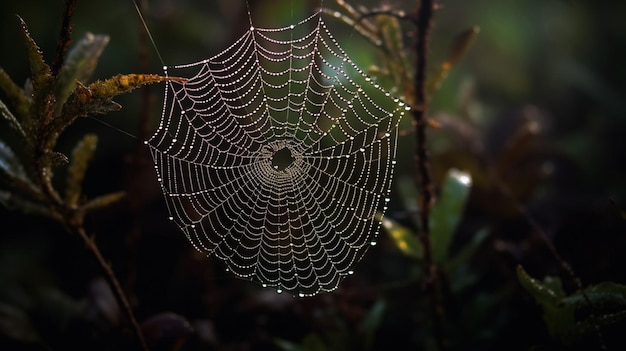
{"points": [[277, 156]]}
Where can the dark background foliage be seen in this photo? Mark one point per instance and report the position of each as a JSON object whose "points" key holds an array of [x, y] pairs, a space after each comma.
{"points": [[548, 71]]}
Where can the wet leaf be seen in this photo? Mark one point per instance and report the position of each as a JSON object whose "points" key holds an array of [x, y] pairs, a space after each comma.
{"points": [[571, 317], [447, 212], [13, 123], [14, 95], [404, 238], [41, 77], [10, 165], [82, 154], [79, 65]]}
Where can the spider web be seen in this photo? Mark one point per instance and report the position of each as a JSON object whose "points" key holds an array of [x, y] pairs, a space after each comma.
{"points": [[277, 156]]}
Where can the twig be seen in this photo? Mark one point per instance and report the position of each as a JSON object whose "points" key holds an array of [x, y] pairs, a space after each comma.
{"points": [[423, 23], [112, 278]]}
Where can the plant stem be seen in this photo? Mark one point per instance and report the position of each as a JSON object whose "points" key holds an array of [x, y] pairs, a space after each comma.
{"points": [[112, 278], [423, 24]]}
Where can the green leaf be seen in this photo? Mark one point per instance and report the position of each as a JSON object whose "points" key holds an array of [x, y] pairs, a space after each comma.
{"points": [[468, 250], [569, 318], [608, 301], [404, 238], [13, 122], [11, 200], [41, 77], [11, 168], [82, 154], [458, 268], [104, 201], [372, 321], [40, 71], [447, 212], [544, 294], [79, 65], [15, 95]]}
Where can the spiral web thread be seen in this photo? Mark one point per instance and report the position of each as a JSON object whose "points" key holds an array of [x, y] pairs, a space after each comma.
{"points": [[277, 156]]}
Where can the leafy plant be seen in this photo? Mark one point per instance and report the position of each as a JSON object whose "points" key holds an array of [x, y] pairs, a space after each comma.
{"points": [[573, 317], [52, 99]]}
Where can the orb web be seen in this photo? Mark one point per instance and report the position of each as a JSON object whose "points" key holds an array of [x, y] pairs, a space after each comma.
{"points": [[277, 156]]}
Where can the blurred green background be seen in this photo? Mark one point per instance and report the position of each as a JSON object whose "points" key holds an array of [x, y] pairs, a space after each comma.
{"points": [[538, 99]]}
